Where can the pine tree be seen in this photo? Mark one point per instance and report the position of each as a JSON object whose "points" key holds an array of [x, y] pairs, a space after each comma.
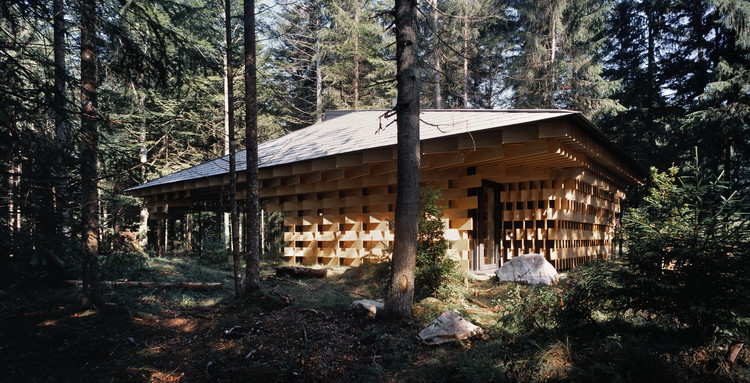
{"points": [[297, 62], [252, 215], [89, 161], [355, 66], [559, 59], [398, 304]]}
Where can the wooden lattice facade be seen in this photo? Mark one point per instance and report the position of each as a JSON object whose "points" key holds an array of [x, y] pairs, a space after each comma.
{"points": [[549, 185]]}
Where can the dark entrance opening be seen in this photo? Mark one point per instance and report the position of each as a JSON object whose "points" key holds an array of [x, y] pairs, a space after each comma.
{"points": [[488, 243]]}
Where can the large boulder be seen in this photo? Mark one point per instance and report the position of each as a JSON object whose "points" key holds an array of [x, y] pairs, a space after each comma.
{"points": [[448, 327], [528, 268]]}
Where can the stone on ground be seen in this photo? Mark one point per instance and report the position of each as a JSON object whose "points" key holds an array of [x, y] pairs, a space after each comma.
{"points": [[368, 307], [448, 327], [529, 268]]}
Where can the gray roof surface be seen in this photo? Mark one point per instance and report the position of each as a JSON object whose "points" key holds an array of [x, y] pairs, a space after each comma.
{"points": [[354, 131]]}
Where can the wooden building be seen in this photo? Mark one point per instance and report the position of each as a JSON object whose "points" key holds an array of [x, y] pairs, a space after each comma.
{"points": [[512, 182]]}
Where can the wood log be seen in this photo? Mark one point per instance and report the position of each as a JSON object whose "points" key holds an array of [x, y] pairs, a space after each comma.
{"points": [[184, 285], [301, 272], [734, 351], [477, 302]]}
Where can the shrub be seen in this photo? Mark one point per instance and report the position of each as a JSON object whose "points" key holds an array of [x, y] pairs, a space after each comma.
{"points": [[433, 268], [687, 254], [214, 252], [274, 236], [588, 290], [527, 308], [126, 263]]}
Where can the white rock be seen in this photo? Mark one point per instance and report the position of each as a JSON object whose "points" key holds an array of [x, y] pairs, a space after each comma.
{"points": [[529, 268], [367, 306], [449, 326]]}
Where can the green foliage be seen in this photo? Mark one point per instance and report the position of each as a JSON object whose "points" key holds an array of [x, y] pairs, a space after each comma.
{"points": [[588, 292], [527, 308], [214, 251], [127, 263], [274, 236], [433, 268], [687, 256]]}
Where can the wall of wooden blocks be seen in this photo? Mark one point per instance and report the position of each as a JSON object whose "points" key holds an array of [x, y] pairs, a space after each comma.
{"points": [[569, 220]]}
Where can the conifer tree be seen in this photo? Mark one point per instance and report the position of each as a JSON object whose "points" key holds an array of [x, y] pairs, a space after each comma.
{"points": [[400, 297], [89, 162]]}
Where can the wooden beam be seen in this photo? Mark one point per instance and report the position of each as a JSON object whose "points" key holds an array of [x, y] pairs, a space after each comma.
{"points": [[378, 155], [357, 171], [384, 168], [302, 167], [311, 177], [282, 170], [348, 159], [440, 145], [518, 134], [326, 163], [331, 175], [479, 140], [557, 128]]}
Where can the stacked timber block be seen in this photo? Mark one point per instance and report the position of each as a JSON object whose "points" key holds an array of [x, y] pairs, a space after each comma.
{"points": [[569, 221]]}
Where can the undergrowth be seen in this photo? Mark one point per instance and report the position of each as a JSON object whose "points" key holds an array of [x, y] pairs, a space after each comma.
{"points": [[530, 334]]}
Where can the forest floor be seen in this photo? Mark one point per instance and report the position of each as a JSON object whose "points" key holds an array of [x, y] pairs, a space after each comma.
{"points": [[302, 331]]}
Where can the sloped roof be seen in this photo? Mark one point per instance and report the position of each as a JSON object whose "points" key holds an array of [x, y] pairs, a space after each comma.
{"points": [[353, 131]]}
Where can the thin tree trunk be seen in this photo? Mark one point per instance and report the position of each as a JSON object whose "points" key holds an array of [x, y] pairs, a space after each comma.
{"points": [[227, 106], [6, 241], [356, 58], [142, 235], [436, 56], [252, 256], [62, 223], [401, 289], [160, 236], [189, 232], [465, 35], [553, 52], [651, 58], [229, 123], [318, 73], [89, 165]]}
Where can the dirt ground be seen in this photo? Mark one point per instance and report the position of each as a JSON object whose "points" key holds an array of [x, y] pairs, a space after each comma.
{"points": [[302, 331], [44, 337]]}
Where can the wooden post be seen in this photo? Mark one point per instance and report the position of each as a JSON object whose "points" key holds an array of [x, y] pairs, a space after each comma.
{"points": [[189, 231], [160, 237]]}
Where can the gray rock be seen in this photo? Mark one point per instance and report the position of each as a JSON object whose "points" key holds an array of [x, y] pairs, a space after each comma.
{"points": [[448, 327], [368, 307], [528, 268]]}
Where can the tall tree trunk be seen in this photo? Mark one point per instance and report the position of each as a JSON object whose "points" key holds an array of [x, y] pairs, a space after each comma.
{"points": [[227, 106], [401, 289], [552, 73], [189, 231], [465, 53], [229, 121], [436, 55], [651, 57], [318, 71], [6, 240], [142, 235], [357, 57], [89, 165], [61, 132], [252, 256]]}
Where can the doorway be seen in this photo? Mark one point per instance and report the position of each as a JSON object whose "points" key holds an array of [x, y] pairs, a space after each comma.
{"points": [[489, 214]]}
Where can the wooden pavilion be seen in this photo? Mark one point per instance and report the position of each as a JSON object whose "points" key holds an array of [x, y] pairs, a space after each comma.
{"points": [[512, 182]]}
